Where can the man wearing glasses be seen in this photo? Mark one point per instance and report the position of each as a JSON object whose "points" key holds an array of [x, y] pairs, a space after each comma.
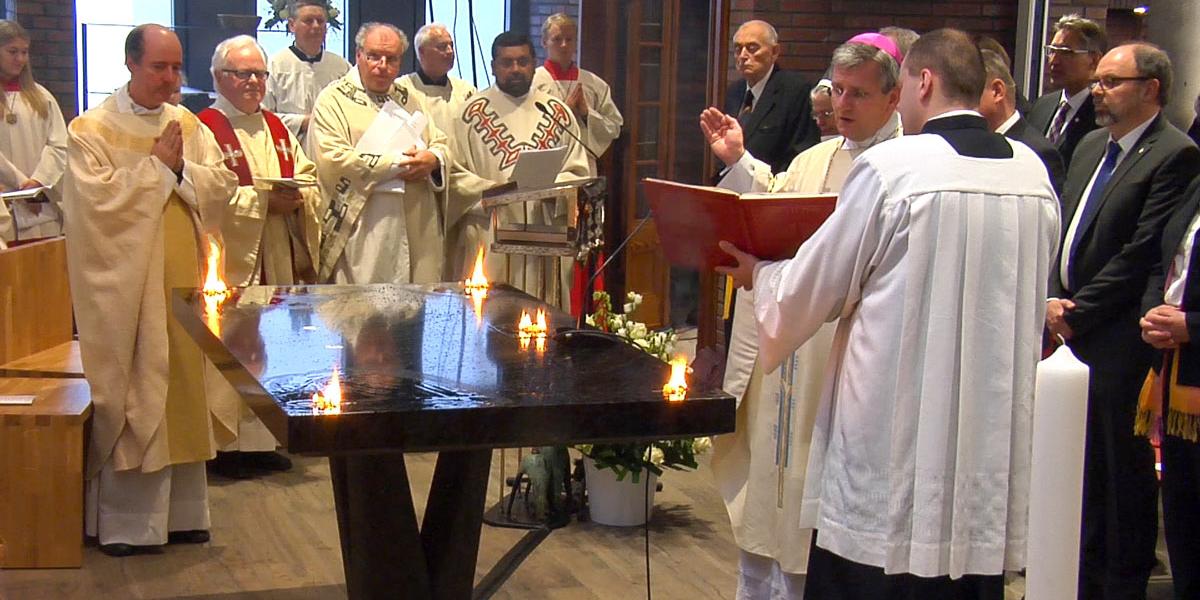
{"points": [[1065, 116], [384, 218], [1121, 188]]}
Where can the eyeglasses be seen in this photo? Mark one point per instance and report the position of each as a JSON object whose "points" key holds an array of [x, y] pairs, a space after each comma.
{"points": [[1108, 83], [1053, 50], [245, 75], [375, 59]]}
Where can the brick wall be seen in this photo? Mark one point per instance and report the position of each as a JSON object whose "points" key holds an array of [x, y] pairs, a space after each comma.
{"points": [[51, 26], [538, 11]]}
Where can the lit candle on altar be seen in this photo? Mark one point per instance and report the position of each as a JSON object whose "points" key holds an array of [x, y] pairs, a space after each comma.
{"points": [[476, 286], [329, 400], [676, 387], [530, 330], [1056, 476], [215, 291]]}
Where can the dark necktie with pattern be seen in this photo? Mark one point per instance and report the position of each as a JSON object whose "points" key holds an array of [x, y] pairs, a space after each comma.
{"points": [[1060, 119], [747, 105]]}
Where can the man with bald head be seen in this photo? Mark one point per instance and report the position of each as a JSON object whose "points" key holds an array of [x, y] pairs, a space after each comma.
{"points": [[444, 93], [917, 477], [144, 189], [1122, 186], [771, 104], [384, 221]]}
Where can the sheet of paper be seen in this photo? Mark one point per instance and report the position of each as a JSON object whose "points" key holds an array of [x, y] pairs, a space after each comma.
{"points": [[28, 194], [394, 130], [538, 168], [16, 400], [292, 182]]}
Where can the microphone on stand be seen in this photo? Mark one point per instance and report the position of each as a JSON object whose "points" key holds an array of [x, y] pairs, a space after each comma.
{"points": [[546, 111]]}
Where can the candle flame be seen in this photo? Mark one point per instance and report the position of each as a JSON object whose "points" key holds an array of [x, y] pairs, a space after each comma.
{"points": [[213, 286], [478, 282], [676, 387], [525, 326], [539, 327], [530, 330], [329, 400]]}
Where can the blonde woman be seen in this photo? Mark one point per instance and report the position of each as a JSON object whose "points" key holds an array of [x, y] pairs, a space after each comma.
{"points": [[33, 140]]}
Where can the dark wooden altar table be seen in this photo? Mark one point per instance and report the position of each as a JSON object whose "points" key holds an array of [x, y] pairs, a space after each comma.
{"points": [[422, 371]]}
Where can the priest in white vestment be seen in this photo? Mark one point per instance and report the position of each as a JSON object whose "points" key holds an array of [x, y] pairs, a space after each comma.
{"points": [[383, 221], [144, 188], [300, 71], [444, 94], [760, 467], [588, 96], [936, 262], [496, 125], [33, 142], [270, 230]]}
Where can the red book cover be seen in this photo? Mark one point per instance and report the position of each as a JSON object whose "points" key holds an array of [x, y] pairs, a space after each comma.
{"points": [[691, 220]]}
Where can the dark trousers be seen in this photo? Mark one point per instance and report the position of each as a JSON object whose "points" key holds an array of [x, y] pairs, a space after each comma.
{"points": [[831, 577], [1181, 509], [1120, 490]]}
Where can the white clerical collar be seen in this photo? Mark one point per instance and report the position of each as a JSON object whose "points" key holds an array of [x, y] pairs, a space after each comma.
{"points": [[757, 89], [224, 105], [1078, 99], [126, 104], [1128, 140], [891, 129], [1008, 123]]}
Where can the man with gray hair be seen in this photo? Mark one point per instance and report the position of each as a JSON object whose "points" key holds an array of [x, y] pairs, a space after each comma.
{"points": [[771, 105], [444, 93], [1122, 186], [384, 220], [760, 476], [270, 232], [1068, 114], [300, 71]]}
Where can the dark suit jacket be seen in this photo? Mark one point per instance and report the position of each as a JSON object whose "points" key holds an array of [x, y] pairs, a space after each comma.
{"points": [[1023, 132], [1120, 248], [1172, 237], [781, 125], [1083, 122]]}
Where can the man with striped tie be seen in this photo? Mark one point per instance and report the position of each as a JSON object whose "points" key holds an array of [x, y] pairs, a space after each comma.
{"points": [[1066, 115]]}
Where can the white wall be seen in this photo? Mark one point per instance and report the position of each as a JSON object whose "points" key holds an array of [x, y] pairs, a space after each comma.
{"points": [[1173, 26], [491, 19]]}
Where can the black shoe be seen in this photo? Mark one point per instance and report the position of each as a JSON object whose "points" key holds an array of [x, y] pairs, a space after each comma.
{"points": [[267, 461], [191, 536], [121, 550], [231, 465]]}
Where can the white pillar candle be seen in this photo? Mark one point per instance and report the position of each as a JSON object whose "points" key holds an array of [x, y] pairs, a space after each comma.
{"points": [[1056, 477]]}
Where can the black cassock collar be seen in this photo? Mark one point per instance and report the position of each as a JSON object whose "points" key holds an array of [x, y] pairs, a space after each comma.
{"points": [[969, 136]]}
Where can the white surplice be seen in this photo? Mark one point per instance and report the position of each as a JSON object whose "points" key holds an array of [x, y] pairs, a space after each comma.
{"points": [[294, 85], [604, 120], [937, 266], [34, 147], [760, 467], [444, 102]]}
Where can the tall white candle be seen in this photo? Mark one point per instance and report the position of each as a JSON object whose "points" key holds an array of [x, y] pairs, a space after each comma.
{"points": [[1056, 486]]}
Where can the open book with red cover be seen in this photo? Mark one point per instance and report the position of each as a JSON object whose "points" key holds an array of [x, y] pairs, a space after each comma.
{"points": [[691, 219]]}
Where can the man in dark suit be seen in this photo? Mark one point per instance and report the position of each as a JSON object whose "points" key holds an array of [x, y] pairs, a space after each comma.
{"points": [[1121, 188], [772, 105], [999, 106], [1065, 116]]}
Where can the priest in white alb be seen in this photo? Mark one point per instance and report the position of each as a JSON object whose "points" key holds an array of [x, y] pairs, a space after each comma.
{"points": [[300, 71], [270, 230], [384, 217], [33, 142], [760, 467], [496, 125], [588, 96], [936, 262], [144, 188], [444, 94]]}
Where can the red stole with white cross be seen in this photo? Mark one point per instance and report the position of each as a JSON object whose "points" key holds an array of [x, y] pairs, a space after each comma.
{"points": [[231, 148]]}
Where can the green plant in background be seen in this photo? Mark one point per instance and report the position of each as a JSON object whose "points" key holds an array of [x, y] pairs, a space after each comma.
{"points": [[279, 14], [626, 459]]}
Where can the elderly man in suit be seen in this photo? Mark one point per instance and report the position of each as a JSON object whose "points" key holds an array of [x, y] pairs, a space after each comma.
{"points": [[1122, 185], [1065, 116], [999, 106], [772, 105]]}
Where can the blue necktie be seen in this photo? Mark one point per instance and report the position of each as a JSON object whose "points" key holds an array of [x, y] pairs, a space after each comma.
{"points": [[1092, 205]]}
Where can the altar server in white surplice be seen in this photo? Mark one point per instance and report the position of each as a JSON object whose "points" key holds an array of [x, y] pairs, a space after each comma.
{"points": [[443, 93], [144, 187], [588, 96], [270, 231], [33, 141], [494, 127], [368, 234], [300, 71], [936, 262], [760, 467]]}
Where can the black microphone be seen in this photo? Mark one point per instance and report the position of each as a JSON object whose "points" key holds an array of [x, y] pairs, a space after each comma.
{"points": [[546, 111]]}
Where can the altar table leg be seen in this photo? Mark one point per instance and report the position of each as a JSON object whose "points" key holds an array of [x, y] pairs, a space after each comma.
{"points": [[453, 518]]}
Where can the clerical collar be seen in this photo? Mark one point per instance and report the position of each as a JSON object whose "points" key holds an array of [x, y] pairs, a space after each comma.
{"points": [[891, 129], [556, 71], [427, 80], [224, 105], [126, 104], [968, 134], [13, 86], [304, 57]]}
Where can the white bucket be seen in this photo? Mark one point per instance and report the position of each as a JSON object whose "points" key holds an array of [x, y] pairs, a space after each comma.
{"points": [[618, 503]]}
